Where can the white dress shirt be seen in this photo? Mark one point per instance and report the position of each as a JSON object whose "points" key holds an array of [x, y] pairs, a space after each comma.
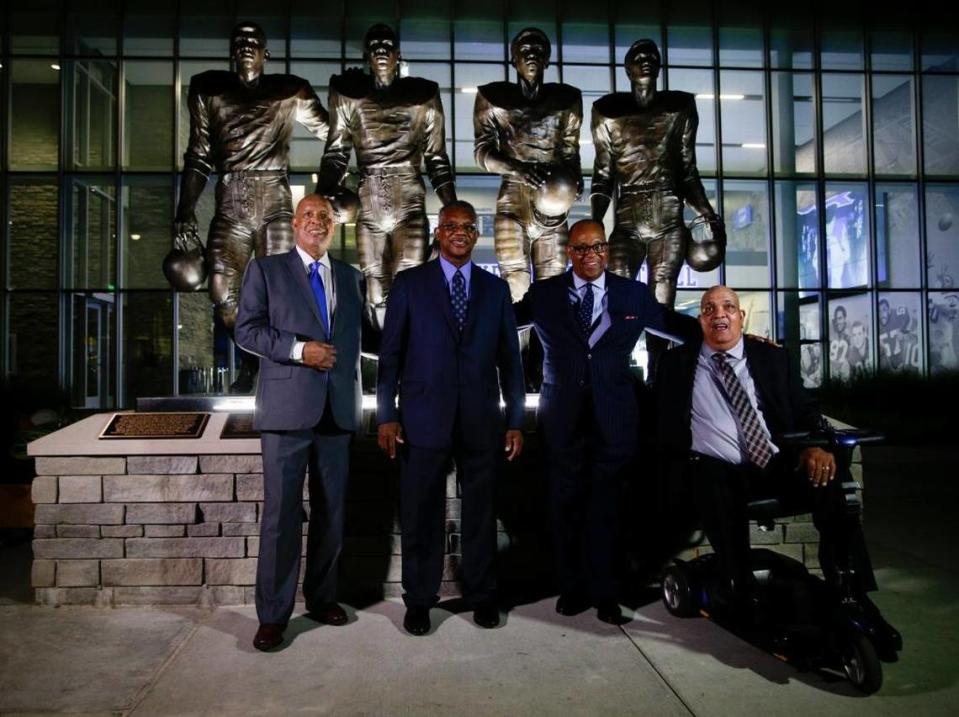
{"points": [[329, 288], [714, 423]]}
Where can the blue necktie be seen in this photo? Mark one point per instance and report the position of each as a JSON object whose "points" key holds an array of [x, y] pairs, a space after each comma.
{"points": [[319, 293], [458, 298], [585, 312]]}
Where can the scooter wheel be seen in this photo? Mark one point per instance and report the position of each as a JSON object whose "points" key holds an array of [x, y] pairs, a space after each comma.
{"points": [[678, 595], [861, 663]]}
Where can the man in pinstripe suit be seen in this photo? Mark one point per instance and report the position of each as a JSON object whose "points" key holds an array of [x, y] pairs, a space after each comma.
{"points": [[588, 321]]}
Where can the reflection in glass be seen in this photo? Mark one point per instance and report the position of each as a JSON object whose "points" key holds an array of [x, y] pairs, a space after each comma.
{"points": [[147, 344], [899, 341], [847, 235], [92, 345], [797, 236], [942, 236], [148, 115], [746, 211], [33, 341], [90, 257], [943, 331], [940, 124], [897, 236], [794, 123], [743, 107], [34, 114], [894, 124], [850, 340], [90, 104], [32, 242], [146, 231], [844, 129]]}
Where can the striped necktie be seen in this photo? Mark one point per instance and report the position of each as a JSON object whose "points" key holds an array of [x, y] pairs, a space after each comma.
{"points": [[458, 299], [757, 447], [585, 312]]}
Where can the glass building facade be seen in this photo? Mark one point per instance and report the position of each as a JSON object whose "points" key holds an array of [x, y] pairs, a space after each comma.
{"points": [[828, 139]]}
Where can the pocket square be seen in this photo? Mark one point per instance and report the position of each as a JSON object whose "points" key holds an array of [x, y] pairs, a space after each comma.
{"points": [[630, 317]]}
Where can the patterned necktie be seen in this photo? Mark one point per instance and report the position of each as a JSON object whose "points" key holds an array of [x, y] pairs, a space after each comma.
{"points": [[757, 447], [319, 293], [585, 312], [458, 298]]}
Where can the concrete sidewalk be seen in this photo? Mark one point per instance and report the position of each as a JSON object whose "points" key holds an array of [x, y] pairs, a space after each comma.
{"points": [[152, 661]]}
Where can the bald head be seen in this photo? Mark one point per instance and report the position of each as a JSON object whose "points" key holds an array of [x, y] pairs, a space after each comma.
{"points": [[587, 249], [720, 318], [313, 225]]}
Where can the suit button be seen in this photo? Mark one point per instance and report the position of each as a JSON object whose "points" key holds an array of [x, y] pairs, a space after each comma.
{"points": [[589, 356], [582, 383]]}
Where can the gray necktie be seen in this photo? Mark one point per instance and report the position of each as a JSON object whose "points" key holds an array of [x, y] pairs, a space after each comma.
{"points": [[757, 447]]}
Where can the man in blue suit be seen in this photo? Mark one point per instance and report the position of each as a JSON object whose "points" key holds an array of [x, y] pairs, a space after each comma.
{"points": [[449, 347], [589, 321], [300, 313]]}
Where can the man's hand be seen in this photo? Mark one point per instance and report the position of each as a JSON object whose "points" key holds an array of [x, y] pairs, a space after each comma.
{"points": [[535, 175], [319, 355], [514, 443], [388, 435], [819, 465], [186, 235], [718, 228]]}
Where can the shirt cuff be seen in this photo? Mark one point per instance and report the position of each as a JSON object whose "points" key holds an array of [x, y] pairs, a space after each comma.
{"points": [[296, 351]]}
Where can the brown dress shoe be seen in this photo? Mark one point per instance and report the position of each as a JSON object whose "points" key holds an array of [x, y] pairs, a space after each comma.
{"points": [[268, 636], [329, 613]]}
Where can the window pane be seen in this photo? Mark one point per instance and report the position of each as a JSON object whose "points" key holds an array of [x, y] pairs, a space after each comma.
{"points": [[533, 13], [847, 235], [843, 124], [892, 49], [740, 35], [148, 116], [90, 104], [425, 30], [585, 32], [791, 37], [687, 277], [360, 17], [594, 82], [894, 124], [700, 83], [92, 347], [91, 27], [309, 38], [689, 34], [794, 123], [940, 52], [942, 236], [187, 71], [940, 124], [798, 328], [746, 212], [441, 74], [195, 342], [797, 236], [841, 45], [148, 344], [33, 28], [306, 151], [743, 107], [35, 114], [468, 79], [943, 331], [900, 333], [147, 231], [91, 230], [205, 29], [897, 236], [148, 29], [34, 343], [850, 340], [634, 21], [478, 32], [756, 305], [33, 224]]}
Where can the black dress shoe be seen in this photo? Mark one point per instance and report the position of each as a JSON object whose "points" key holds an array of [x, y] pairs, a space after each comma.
{"points": [[486, 615], [329, 613], [569, 604], [268, 636], [610, 612], [417, 620]]}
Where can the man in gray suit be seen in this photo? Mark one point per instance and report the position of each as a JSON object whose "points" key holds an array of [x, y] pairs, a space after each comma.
{"points": [[300, 313]]}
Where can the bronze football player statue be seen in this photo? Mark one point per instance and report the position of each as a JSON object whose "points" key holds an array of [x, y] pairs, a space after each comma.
{"points": [[240, 127], [528, 132], [394, 124]]}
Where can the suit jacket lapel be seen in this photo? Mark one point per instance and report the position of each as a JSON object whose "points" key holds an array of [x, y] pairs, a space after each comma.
{"points": [[344, 299], [476, 297], [571, 308], [761, 377], [302, 281], [614, 303]]}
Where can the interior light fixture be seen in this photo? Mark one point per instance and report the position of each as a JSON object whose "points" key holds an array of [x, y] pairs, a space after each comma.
{"points": [[55, 66], [710, 95]]}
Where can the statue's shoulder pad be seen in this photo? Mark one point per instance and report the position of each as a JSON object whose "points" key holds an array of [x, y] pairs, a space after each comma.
{"points": [[565, 94], [353, 83], [615, 104], [676, 100], [212, 81], [417, 89]]}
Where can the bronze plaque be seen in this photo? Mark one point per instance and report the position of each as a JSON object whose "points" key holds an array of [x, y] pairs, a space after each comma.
{"points": [[156, 425], [239, 425]]}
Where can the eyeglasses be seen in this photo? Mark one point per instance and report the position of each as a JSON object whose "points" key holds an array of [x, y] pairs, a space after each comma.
{"points": [[599, 248], [450, 227]]}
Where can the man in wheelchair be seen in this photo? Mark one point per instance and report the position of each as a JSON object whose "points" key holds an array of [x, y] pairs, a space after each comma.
{"points": [[725, 407]]}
